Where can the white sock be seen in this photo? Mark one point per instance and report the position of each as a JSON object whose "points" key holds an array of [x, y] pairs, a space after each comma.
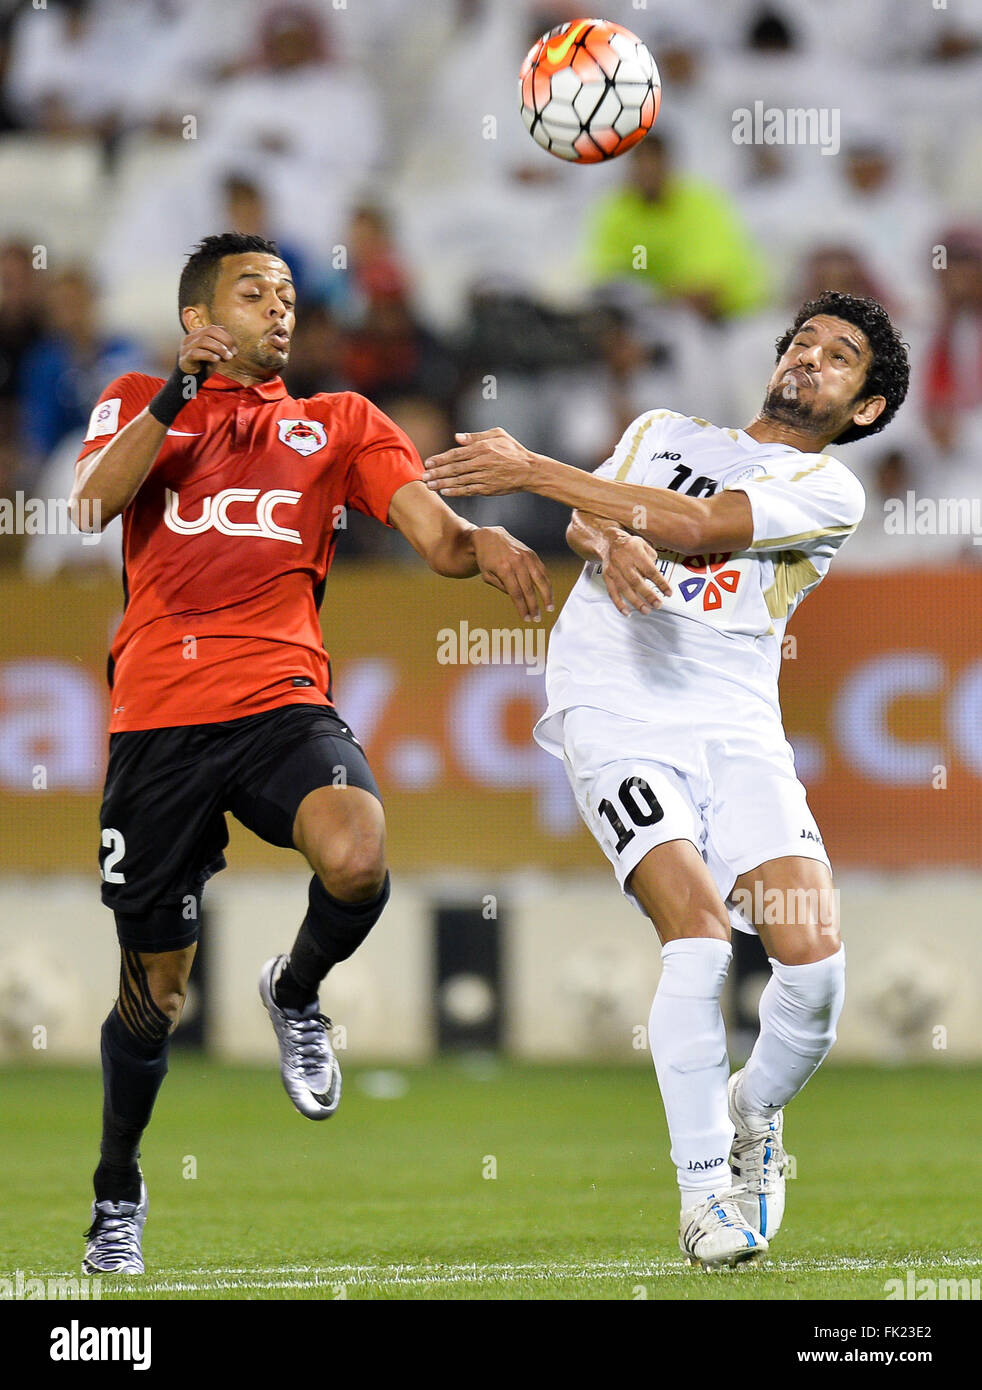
{"points": [[688, 1048], [799, 1010]]}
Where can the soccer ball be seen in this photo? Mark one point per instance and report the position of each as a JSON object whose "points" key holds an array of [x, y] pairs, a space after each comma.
{"points": [[589, 90]]}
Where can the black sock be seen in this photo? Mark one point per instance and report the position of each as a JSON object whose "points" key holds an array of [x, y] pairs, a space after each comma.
{"points": [[133, 1071], [332, 930], [114, 1184], [300, 978]]}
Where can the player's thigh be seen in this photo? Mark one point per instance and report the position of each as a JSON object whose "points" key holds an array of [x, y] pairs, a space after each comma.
{"points": [[162, 835], [763, 846], [794, 906], [310, 788], [645, 817], [340, 831], [676, 890]]}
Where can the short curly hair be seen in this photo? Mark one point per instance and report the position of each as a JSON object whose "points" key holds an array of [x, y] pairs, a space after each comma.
{"points": [[889, 371], [200, 273]]}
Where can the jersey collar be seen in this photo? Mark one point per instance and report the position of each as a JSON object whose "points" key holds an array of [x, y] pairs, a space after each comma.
{"points": [[272, 390], [748, 442]]}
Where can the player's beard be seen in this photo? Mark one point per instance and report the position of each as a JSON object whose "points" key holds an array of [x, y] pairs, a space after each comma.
{"points": [[788, 408], [269, 358]]}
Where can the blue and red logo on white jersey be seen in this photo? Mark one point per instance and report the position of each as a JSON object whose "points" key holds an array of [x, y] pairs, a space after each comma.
{"points": [[709, 579]]}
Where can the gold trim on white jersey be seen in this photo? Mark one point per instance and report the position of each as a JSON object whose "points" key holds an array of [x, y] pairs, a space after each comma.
{"points": [[793, 572]]}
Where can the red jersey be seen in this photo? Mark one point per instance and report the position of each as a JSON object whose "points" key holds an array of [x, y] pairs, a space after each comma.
{"points": [[227, 544]]}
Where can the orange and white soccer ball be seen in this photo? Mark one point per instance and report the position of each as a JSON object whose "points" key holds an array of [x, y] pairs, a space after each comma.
{"points": [[589, 90]]}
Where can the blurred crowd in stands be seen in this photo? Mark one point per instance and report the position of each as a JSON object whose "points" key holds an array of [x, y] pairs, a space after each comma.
{"points": [[454, 272]]}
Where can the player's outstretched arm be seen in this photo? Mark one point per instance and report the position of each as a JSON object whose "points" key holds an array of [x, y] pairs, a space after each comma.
{"points": [[457, 549], [493, 462], [628, 564], [107, 481]]}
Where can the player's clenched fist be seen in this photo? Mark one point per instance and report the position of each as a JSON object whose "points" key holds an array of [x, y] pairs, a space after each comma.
{"points": [[204, 346], [512, 567], [631, 574]]}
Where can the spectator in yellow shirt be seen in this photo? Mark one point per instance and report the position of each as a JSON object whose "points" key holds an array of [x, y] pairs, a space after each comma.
{"points": [[682, 236]]}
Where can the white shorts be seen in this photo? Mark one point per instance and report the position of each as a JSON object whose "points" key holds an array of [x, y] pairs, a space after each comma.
{"points": [[741, 808]]}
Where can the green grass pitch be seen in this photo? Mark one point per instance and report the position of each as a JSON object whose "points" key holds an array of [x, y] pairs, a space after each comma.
{"points": [[494, 1181]]}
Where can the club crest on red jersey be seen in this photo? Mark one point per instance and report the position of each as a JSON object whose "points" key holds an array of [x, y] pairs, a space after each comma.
{"points": [[304, 436]]}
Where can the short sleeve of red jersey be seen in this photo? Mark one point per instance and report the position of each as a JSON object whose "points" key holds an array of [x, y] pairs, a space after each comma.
{"points": [[120, 402], [383, 457]]}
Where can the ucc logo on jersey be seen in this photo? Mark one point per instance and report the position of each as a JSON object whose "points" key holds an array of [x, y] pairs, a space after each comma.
{"points": [[710, 580], [304, 436], [214, 514]]}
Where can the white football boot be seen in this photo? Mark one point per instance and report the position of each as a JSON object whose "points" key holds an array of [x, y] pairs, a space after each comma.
{"points": [[715, 1234], [308, 1066], [115, 1237], [758, 1163]]}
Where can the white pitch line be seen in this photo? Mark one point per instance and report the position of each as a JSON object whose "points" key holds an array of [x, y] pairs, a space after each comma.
{"points": [[412, 1275], [842, 1262], [416, 1276]]}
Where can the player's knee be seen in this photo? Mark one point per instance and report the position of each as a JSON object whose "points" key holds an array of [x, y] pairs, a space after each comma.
{"points": [[693, 921], [356, 879], [812, 930], [170, 1000], [352, 868], [152, 990], [168, 990], [709, 921], [810, 945]]}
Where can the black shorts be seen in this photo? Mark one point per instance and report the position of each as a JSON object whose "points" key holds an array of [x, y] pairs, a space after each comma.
{"points": [[167, 791]]}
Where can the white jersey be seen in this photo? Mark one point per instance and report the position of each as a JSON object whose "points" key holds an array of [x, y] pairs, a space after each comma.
{"points": [[709, 657]]}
